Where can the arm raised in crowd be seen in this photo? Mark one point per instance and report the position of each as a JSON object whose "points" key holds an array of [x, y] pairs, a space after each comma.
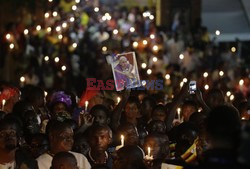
{"points": [[116, 114], [175, 103]]}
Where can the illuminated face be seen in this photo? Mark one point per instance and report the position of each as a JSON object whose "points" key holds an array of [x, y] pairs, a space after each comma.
{"points": [[131, 111], [123, 62], [100, 140], [8, 138], [63, 141]]}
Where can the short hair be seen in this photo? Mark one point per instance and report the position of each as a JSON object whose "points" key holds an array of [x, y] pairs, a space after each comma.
{"points": [[100, 107], [56, 126], [95, 128], [11, 121], [135, 100], [61, 158]]}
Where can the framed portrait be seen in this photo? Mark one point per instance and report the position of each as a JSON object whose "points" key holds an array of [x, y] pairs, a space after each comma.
{"points": [[125, 71]]}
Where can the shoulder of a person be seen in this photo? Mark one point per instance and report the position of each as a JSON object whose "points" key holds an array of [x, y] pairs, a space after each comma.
{"points": [[44, 156], [78, 155]]}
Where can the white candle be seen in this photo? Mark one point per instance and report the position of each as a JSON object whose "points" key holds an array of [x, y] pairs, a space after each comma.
{"points": [[3, 104], [149, 151], [122, 140], [179, 113], [118, 100], [86, 106]]}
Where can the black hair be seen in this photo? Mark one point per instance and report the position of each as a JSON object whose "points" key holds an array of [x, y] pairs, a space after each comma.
{"points": [[12, 121], [95, 128], [135, 100], [56, 126], [61, 158], [100, 107]]}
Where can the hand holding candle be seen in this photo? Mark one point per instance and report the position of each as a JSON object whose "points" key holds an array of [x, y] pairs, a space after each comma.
{"points": [[149, 156]]}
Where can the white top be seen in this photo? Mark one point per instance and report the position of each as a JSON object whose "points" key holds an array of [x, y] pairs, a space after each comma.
{"points": [[44, 161], [8, 165]]}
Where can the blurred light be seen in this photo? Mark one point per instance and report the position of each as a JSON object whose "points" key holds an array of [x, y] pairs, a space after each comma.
{"points": [[181, 56], [46, 58], [228, 93], [200, 109], [60, 36], [72, 19], [64, 25], [63, 68], [104, 18], [155, 48], [54, 13], [45, 93], [151, 17], [74, 7], [115, 31], [46, 15], [74, 45], [181, 84], [26, 31], [96, 9], [8, 36], [77, 1], [145, 42], [241, 82], [233, 49], [109, 18], [118, 100], [22, 79], [146, 14], [167, 76], [135, 44], [221, 73], [232, 97], [152, 36], [50, 0], [12, 46], [104, 48], [185, 80], [143, 65], [205, 74], [57, 59], [38, 27], [58, 28], [149, 71], [206, 87], [49, 29], [155, 59], [217, 32], [144, 83], [132, 29], [107, 14]]}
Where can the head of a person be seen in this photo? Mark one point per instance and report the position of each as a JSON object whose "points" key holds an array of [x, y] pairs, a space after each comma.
{"points": [[222, 127], [64, 160], [132, 108], [187, 131], [123, 61], [10, 133], [60, 136], [129, 157], [81, 144], [147, 106], [156, 126], [38, 144], [36, 98], [188, 108], [99, 138], [159, 113], [30, 122], [159, 145], [130, 133], [215, 98], [101, 114], [11, 96], [20, 107], [60, 104]]}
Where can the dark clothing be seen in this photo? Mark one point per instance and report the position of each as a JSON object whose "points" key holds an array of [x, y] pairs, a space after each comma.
{"points": [[25, 160]]}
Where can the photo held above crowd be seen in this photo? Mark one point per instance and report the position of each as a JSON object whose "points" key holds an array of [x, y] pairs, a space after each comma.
{"points": [[94, 84]]}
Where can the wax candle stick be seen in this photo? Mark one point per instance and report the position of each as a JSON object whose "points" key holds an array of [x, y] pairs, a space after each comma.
{"points": [[122, 140], [3, 104], [179, 113], [86, 106]]}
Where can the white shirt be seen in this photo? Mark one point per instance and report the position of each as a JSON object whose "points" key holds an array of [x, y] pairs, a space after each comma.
{"points": [[44, 161], [8, 165]]}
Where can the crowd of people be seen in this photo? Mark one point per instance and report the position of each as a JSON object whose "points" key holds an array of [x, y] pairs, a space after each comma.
{"points": [[50, 119]]}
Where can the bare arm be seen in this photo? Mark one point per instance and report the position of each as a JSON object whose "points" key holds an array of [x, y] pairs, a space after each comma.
{"points": [[116, 115]]}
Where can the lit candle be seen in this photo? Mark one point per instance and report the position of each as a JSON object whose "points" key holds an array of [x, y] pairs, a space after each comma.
{"points": [[118, 100], [3, 104], [86, 106], [149, 156], [179, 113], [122, 140]]}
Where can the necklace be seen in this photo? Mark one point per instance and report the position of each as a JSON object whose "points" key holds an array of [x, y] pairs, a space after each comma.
{"points": [[94, 161]]}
